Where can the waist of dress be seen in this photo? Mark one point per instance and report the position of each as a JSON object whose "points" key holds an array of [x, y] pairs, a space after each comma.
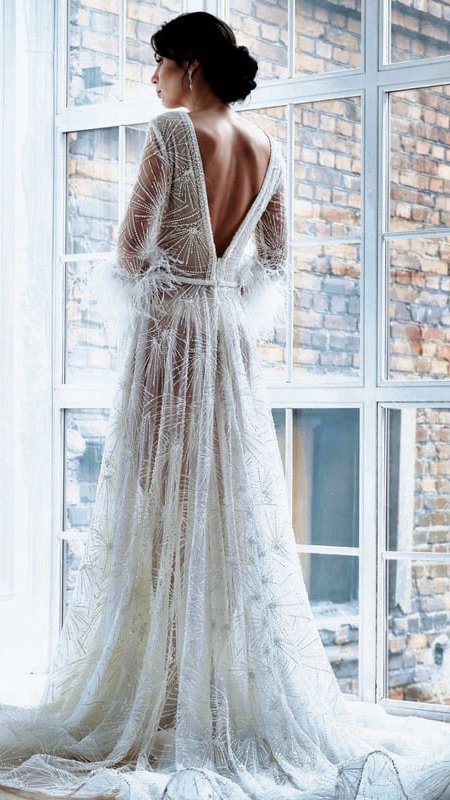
{"points": [[169, 278]]}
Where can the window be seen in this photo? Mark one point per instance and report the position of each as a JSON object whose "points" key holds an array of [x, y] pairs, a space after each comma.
{"points": [[358, 374]]}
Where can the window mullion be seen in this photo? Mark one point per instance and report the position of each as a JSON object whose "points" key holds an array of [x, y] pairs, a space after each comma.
{"points": [[61, 57], [290, 185], [368, 449], [122, 48]]}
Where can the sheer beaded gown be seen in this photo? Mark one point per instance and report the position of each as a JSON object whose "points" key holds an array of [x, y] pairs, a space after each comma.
{"points": [[189, 665]]}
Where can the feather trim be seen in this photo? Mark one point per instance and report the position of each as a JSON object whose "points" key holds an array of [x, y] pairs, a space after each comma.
{"points": [[122, 296], [264, 295]]}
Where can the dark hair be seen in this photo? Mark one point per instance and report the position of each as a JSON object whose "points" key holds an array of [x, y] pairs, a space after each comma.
{"points": [[229, 69]]}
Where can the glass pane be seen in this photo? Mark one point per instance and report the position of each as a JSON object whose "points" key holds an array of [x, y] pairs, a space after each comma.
{"points": [[134, 144], [417, 641], [332, 586], [72, 556], [92, 190], [327, 35], [419, 308], [272, 120], [327, 173], [273, 354], [327, 311], [418, 479], [325, 501], [419, 29], [85, 431], [144, 17], [263, 28], [90, 354], [93, 59], [279, 420], [420, 155]]}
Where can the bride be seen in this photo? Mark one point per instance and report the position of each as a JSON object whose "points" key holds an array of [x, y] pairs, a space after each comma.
{"points": [[189, 664]]}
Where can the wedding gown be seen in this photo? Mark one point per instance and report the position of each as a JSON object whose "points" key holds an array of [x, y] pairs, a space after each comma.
{"points": [[189, 665]]}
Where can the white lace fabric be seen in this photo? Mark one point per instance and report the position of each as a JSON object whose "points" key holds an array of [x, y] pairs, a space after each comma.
{"points": [[189, 665]]}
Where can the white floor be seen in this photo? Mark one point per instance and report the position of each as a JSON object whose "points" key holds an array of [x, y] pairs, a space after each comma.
{"points": [[20, 689]]}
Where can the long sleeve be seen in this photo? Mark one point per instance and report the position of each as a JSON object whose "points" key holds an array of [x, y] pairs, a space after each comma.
{"points": [[271, 235], [264, 282], [118, 284], [139, 226]]}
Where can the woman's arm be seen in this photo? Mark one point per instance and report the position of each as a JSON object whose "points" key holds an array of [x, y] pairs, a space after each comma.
{"points": [[271, 234], [141, 219], [263, 285]]}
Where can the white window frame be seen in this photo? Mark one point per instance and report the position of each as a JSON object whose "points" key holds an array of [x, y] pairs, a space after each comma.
{"points": [[371, 393]]}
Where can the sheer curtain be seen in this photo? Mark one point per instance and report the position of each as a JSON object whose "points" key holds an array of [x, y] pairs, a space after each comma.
{"points": [[26, 157]]}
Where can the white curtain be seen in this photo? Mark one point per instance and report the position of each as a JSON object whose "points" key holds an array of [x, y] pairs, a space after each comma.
{"points": [[26, 235]]}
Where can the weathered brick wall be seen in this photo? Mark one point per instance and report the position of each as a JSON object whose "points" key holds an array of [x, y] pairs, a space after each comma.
{"points": [[328, 36], [327, 202], [263, 26], [415, 669], [420, 29], [419, 268], [341, 641], [432, 508], [94, 47], [92, 190], [419, 308]]}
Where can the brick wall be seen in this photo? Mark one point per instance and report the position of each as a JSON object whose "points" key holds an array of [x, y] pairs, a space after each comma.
{"points": [[94, 47], [420, 29], [419, 283], [419, 652]]}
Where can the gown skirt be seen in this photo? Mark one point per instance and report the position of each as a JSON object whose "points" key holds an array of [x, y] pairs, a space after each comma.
{"points": [[189, 665]]}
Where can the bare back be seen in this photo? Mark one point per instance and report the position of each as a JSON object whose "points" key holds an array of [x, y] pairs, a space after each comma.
{"points": [[235, 157], [207, 188]]}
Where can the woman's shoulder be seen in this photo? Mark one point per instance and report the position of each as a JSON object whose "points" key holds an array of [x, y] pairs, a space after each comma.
{"points": [[167, 122]]}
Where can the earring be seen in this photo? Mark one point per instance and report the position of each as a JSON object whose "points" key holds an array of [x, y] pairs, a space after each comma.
{"points": [[190, 70]]}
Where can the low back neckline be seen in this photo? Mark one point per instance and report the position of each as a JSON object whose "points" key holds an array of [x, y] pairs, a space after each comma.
{"points": [[204, 195]]}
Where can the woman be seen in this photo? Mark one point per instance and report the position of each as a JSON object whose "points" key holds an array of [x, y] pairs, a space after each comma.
{"points": [[189, 665]]}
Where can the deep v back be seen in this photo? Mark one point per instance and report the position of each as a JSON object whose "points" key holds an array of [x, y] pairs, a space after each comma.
{"points": [[202, 182], [168, 224]]}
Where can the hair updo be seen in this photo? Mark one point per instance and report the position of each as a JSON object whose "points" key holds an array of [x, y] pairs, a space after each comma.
{"points": [[229, 69]]}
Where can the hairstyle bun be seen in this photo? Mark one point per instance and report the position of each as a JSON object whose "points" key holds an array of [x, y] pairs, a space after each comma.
{"points": [[239, 74], [229, 68]]}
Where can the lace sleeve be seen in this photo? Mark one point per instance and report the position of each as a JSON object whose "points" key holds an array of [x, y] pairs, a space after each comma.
{"points": [[117, 284], [271, 235], [263, 286], [140, 222]]}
